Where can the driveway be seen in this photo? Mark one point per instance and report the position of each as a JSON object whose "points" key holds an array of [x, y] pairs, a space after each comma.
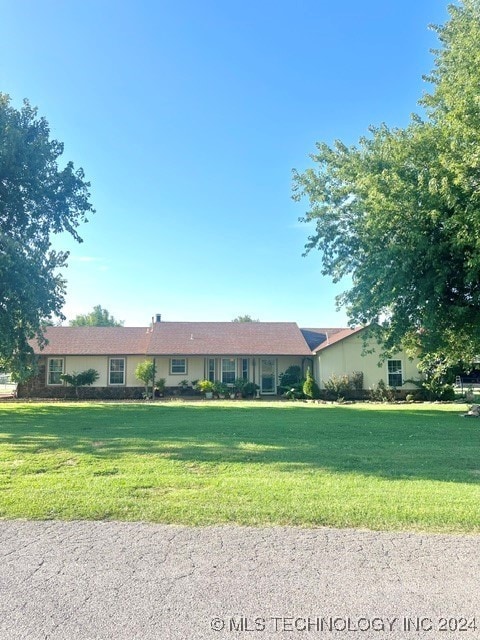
{"points": [[129, 581]]}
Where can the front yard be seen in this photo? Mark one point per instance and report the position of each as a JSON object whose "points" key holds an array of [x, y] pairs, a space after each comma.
{"points": [[403, 467]]}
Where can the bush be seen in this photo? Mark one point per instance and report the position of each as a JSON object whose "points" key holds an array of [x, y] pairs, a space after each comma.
{"points": [[447, 394], [250, 390], [338, 386], [382, 393], [82, 379], [356, 380], [310, 387]]}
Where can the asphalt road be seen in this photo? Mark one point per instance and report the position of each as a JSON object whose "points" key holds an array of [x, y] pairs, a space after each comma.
{"points": [[129, 581]]}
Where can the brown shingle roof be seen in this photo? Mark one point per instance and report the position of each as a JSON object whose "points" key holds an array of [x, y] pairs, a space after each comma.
{"points": [[67, 341], [179, 338], [337, 337], [227, 338]]}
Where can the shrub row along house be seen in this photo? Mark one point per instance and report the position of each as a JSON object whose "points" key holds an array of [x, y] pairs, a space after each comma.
{"points": [[258, 352]]}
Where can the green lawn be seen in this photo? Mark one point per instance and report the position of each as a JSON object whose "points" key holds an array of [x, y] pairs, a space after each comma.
{"points": [[410, 467]]}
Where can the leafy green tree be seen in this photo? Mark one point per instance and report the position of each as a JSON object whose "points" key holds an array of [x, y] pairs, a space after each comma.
{"points": [[245, 318], [82, 379], [97, 318], [38, 198], [399, 213], [145, 372]]}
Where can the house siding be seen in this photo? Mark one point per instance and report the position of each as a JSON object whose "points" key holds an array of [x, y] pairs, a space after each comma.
{"points": [[345, 357]]}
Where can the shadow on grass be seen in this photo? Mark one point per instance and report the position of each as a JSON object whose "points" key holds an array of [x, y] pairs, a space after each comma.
{"points": [[418, 443]]}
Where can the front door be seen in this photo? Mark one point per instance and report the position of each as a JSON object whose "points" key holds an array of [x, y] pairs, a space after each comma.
{"points": [[268, 376]]}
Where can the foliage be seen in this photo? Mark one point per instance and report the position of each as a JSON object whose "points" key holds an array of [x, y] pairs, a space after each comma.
{"points": [[38, 198], [291, 376], [338, 386], [82, 379], [97, 318], [382, 393], [310, 387], [160, 385], [220, 388], [245, 388], [183, 384], [205, 386], [145, 371], [356, 380], [400, 212], [245, 318]]}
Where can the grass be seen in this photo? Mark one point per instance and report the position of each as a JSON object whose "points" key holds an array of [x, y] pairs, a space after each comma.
{"points": [[403, 467]]}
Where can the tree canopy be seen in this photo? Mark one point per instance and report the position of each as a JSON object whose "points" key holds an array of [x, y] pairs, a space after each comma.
{"points": [[97, 318], [38, 198], [245, 318], [399, 212]]}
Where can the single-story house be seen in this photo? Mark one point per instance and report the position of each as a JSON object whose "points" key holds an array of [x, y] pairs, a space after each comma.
{"points": [[255, 351]]}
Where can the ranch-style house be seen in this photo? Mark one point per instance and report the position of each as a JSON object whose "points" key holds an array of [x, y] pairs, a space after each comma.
{"points": [[225, 351]]}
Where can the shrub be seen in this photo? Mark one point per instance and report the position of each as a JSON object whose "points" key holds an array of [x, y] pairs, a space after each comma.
{"points": [[310, 387], [82, 379], [338, 386], [356, 380], [447, 394], [291, 382], [382, 393], [160, 386], [245, 388]]}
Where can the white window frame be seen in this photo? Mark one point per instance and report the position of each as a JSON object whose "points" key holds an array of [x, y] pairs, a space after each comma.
{"points": [[394, 368], [229, 370], [178, 372], [51, 371], [110, 371]]}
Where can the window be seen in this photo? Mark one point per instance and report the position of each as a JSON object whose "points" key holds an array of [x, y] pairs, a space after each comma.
{"points": [[395, 373], [116, 374], [211, 369], [244, 368], [55, 370], [178, 366], [228, 370]]}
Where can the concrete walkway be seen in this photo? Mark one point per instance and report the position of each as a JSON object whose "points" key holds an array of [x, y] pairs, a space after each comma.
{"points": [[129, 581]]}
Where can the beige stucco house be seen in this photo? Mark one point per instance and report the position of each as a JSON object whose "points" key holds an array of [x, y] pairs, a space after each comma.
{"points": [[258, 352], [342, 352]]}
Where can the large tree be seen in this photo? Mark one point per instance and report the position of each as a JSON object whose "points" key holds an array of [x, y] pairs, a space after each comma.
{"points": [[38, 198], [97, 318], [399, 212]]}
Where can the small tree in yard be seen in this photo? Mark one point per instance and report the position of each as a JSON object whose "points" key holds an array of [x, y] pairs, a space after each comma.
{"points": [[82, 379], [145, 372], [310, 387]]}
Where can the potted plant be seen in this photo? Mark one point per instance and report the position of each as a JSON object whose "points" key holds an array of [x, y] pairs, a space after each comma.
{"points": [[206, 387], [220, 389]]}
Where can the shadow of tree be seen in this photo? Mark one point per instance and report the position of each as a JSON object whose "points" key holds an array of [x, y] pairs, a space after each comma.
{"points": [[418, 444]]}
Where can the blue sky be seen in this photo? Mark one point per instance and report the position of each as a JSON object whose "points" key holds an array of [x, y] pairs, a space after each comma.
{"points": [[188, 118]]}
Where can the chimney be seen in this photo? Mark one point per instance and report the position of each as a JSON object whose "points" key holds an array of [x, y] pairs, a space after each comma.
{"points": [[158, 317]]}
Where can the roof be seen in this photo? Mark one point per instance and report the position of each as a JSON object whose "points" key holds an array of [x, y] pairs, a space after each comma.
{"points": [[314, 337], [227, 338], [84, 341], [179, 338], [338, 337]]}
